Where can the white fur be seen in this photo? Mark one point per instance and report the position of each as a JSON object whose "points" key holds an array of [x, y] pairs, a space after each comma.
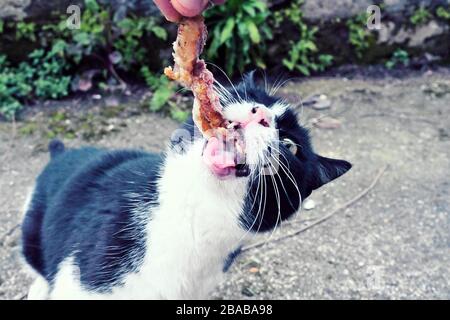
{"points": [[257, 138], [279, 108], [39, 289], [28, 199], [190, 234]]}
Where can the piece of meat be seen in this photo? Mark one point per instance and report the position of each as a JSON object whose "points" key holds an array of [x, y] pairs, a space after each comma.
{"points": [[191, 72]]}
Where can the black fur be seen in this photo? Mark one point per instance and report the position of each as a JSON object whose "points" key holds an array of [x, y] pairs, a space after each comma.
{"points": [[309, 170], [83, 201]]}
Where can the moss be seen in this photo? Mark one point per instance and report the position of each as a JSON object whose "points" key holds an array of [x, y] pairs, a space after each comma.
{"points": [[28, 129], [112, 112]]}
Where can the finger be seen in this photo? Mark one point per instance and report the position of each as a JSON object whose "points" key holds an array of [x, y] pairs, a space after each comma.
{"points": [[168, 10], [189, 8]]}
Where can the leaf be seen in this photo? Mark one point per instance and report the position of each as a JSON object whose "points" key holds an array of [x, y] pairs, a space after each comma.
{"points": [[309, 45], [82, 38], [227, 31], [303, 69], [159, 32], [260, 5], [160, 98], [177, 114], [253, 30], [215, 44], [248, 7], [288, 64], [92, 5]]}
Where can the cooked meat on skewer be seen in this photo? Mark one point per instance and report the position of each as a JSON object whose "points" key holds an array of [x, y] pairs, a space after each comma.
{"points": [[191, 72]]}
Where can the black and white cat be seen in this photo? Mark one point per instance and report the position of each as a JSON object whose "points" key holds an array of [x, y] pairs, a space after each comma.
{"points": [[129, 224]]}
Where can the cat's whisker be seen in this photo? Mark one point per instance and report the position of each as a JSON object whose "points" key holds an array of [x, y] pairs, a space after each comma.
{"points": [[277, 195], [285, 192], [226, 77], [257, 214], [225, 92], [287, 172], [279, 85], [265, 202], [269, 91]]}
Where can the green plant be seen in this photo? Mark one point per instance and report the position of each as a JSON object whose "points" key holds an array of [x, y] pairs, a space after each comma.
{"points": [[360, 36], [302, 55], [131, 31], [239, 31], [25, 30], [41, 76], [162, 88], [420, 16], [443, 13], [177, 114], [13, 87], [110, 42], [398, 57]]}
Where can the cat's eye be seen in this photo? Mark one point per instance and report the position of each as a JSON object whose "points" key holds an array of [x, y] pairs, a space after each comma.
{"points": [[291, 145]]}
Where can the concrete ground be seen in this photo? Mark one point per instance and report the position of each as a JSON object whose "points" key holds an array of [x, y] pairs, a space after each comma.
{"points": [[392, 244]]}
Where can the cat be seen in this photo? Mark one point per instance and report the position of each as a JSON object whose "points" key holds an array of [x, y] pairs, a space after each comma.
{"points": [[129, 224]]}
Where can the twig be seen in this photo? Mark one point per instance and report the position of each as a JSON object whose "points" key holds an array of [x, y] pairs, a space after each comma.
{"points": [[324, 218], [10, 232]]}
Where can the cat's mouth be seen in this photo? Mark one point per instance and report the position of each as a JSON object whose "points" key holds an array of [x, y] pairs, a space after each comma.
{"points": [[239, 148], [225, 156]]}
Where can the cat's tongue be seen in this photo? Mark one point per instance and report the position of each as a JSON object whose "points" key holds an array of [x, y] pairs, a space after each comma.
{"points": [[220, 161]]}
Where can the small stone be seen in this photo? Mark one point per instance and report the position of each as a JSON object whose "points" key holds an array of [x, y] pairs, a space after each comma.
{"points": [[327, 123], [247, 292], [309, 204], [318, 102], [253, 270], [96, 96], [322, 104]]}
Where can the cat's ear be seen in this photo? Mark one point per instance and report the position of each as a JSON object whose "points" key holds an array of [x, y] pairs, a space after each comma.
{"points": [[249, 79], [328, 169]]}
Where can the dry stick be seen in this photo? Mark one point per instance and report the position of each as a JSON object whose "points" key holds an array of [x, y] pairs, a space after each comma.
{"points": [[324, 218], [10, 232]]}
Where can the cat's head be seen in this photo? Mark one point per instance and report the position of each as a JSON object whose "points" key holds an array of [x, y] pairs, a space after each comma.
{"points": [[280, 168]]}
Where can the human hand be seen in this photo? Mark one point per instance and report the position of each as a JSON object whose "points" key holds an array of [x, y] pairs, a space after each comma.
{"points": [[174, 10]]}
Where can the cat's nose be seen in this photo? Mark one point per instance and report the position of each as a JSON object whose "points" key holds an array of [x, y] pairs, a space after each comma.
{"points": [[257, 116]]}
